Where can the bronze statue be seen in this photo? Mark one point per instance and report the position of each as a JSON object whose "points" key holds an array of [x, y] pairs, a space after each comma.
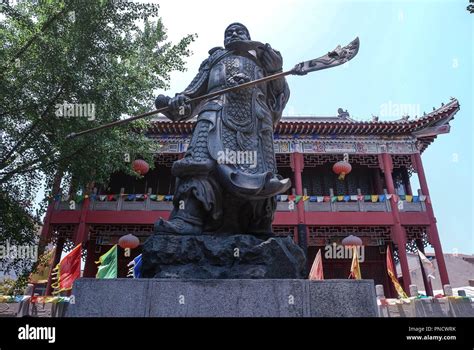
{"points": [[227, 180], [226, 185]]}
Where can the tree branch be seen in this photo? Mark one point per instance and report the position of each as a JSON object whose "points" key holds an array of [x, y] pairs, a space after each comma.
{"points": [[43, 28], [10, 174], [27, 133]]}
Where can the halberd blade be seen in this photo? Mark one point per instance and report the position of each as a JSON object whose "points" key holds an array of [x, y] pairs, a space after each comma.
{"points": [[338, 56]]}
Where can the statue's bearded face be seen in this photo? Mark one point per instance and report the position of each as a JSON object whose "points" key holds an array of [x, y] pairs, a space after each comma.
{"points": [[235, 33]]}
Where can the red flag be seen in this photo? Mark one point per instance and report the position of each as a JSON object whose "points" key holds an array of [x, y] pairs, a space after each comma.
{"points": [[393, 275], [68, 270], [317, 268]]}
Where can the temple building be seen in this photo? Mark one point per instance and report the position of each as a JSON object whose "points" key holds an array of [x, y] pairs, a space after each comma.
{"points": [[374, 202]]}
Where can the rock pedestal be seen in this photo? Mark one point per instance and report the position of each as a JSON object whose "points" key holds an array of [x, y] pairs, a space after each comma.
{"points": [[222, 257]]}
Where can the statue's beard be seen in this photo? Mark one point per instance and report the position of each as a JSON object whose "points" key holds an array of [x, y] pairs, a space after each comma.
{"points": [[231, 40]]}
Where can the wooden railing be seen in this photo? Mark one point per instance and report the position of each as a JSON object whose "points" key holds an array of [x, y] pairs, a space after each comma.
{"points": [[147, 204], [354, 206]]}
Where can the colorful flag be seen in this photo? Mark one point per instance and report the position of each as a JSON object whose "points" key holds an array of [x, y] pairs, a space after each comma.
{"points": [[392, 274], [43, 269], [68, 270], [316, 273], [135, 267], [355, 267], [108, 264], [427, 265]]}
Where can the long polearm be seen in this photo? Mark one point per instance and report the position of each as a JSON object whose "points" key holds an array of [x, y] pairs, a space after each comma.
{"points": [[338, 56]]}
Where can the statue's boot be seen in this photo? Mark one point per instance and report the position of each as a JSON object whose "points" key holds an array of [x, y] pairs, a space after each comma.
{"points": [[176, 226], [185, 221]]}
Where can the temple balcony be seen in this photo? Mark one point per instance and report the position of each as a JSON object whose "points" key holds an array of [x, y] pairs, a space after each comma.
{"points": [[149, 202], [357, 203]]}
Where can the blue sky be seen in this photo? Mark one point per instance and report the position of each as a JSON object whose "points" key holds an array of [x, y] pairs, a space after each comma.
{"points": [[412, 52]]}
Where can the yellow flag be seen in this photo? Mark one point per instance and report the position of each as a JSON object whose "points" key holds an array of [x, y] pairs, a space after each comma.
{"points": [[355, 267], [42, 270]]}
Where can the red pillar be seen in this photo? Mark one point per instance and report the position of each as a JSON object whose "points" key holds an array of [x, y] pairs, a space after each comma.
{"points": [[399, 235], [82, 230], [434, 236], [297, 165], [46, 230]]}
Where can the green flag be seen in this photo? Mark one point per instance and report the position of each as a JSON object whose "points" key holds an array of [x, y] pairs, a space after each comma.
{"points": [[108, 264]]}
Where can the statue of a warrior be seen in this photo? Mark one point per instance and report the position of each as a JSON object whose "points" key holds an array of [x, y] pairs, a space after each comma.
{"points": [[227, 180]]}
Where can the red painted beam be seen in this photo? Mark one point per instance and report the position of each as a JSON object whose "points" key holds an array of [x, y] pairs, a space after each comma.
{"points": [[65, 217], [125, 217], [281, 218], [349, 219], [414, 218], [286, 218]]}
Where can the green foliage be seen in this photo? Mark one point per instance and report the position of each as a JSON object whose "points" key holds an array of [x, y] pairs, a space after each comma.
{"points": [[10, 286], [111, 54], [7, 286]]}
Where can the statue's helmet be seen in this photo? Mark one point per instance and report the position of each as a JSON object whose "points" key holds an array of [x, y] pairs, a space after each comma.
{"points": [[241, 31]]}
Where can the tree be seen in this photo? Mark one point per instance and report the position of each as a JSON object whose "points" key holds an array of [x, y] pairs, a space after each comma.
{"points": [[65, 66]]}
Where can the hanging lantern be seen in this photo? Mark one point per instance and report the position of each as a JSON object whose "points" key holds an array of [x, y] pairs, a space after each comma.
{"points": [[351, 241], [128, 242], [140, 166], [343, 167]]}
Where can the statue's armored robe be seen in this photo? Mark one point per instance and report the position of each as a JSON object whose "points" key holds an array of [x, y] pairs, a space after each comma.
{"points": [[230, 166]]}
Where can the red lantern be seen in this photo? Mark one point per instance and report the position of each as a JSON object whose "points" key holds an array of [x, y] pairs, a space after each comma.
{"points": [[129, 241], [351, 241], [343, 167], [140, 166]]}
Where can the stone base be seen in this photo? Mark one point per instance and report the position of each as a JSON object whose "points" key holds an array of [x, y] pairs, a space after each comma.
{"points": [[222, 298], [222, 257]]}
